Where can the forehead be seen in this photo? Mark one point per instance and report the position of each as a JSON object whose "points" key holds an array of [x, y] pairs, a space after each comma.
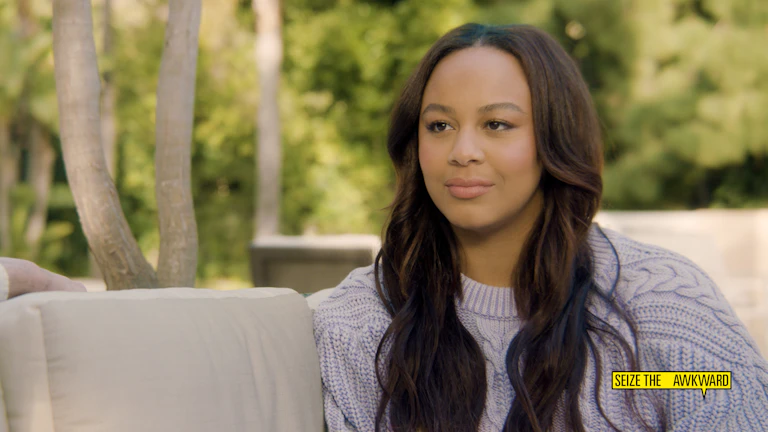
{"points": [[478, 76]]}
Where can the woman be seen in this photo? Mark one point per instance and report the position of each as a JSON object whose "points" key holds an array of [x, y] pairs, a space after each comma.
{"points": [[499, 305]]}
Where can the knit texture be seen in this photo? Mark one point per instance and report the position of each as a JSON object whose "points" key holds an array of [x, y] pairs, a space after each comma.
{"points": [[683, 324]]}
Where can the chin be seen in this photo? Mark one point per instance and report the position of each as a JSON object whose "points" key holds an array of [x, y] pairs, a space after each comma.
{"points": [[475, 225], [484, 222]]}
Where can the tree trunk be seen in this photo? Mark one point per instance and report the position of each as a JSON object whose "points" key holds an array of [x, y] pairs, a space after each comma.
{"points": [[108, 123], [177, 261], [41, 159], [77, 91], [9, 164], [269, 57]]}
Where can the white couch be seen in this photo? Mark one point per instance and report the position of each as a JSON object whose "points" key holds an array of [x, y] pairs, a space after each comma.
{"points": [[176, 359]]}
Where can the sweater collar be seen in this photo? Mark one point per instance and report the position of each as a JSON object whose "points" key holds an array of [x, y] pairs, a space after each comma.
{"points": [[499, 302], [486, 299]]}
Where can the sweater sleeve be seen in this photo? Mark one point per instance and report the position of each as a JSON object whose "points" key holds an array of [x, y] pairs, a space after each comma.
{"points": [[684, 324], [347, 378], [348, 327]]}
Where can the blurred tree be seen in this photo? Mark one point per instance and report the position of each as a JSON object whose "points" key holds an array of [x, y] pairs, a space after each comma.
{"points": [[269, 57], [108, 121], [78, 87], [698, 100], [680, 86], [41, 154], [177, 261], [12, 70], [25, 121], [9, 158]]}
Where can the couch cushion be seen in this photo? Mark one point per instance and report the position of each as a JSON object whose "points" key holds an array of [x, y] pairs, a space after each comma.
{"points": [[160, 360], [315, 299]]}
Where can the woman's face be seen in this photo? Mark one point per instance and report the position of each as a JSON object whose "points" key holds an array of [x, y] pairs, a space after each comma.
{"points": [[477, 149]]}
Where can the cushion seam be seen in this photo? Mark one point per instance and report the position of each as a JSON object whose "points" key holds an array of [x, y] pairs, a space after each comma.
{"points": [[47, 368]]}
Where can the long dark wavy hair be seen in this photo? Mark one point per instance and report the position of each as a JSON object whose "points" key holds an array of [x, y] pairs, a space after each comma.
{"points": [[433, 375]]}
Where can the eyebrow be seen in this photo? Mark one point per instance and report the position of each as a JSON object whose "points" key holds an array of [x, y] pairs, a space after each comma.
{"points": [[502, 105], [482, 110]]}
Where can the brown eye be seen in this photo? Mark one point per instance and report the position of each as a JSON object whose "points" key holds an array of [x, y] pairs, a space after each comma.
{"points": [[438, 126], [497, 126]]}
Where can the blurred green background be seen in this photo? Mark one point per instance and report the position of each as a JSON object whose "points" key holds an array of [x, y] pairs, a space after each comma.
{"points": [[681, 87]]}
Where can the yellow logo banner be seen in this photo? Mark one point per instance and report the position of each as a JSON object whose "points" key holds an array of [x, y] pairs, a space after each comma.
{"points": [[671, 380]]}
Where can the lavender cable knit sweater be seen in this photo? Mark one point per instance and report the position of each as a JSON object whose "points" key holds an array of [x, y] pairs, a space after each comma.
{"points": [[683, 324]]}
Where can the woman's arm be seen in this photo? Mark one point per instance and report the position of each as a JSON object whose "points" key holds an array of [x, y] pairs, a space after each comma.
{"points": [[348, 327], [19, 277]]}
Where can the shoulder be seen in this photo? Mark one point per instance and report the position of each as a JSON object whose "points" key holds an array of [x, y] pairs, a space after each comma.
{"points": [[673, 302], [640, 270], [683, 323], [353, 306]]}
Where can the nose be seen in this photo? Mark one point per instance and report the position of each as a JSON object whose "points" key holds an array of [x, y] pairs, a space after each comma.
{"points": [[466, 150]]}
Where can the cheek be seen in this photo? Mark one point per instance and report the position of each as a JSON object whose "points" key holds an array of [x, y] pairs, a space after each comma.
{"points": [[429, 159], [432, 164], [518, 160]]}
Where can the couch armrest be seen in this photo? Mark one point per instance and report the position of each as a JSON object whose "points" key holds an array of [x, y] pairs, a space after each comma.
{"points": [[160, 360]]}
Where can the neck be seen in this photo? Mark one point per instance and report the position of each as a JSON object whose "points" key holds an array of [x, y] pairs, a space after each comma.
{"points": [[491, 257], [489, 261]]}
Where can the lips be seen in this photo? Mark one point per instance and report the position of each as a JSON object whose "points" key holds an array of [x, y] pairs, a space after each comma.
{"points": [[468, 188]]}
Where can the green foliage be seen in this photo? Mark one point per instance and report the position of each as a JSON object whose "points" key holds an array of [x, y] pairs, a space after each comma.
{"points": [[697, 107], [27, 96], [681, 87]]}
